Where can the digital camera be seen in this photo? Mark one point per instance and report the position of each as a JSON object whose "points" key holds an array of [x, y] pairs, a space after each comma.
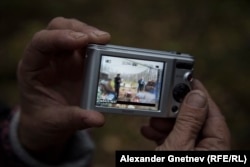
{"points": [[135, 81]]}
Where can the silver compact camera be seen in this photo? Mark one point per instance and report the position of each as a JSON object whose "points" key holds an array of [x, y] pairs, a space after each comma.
{"points": [[135, 81]]}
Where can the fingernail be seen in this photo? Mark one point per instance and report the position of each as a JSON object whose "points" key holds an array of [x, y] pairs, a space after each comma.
{"points": [[77, 35], [100, 33], [196, 100]]}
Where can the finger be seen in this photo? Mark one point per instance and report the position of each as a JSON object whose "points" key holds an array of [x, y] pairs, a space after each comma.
{"points": [[215, 112], [83, 119], [164, 125], [215, 135], [95, 35], [158, 129], [189, 122], [215, 129], [64, 23], [46, 43], [151, 134]]}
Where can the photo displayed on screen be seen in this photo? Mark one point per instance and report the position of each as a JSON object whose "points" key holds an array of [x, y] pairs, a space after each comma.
{"points": [[129, 83]]}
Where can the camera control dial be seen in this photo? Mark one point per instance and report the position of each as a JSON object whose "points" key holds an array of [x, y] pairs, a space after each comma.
{"points": [[180, 92]]}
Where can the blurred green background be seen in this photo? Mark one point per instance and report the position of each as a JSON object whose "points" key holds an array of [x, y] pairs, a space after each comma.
{"points": [[216, 33]]}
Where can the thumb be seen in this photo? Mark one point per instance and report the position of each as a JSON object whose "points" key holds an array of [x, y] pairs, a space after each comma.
{"points": [[188, 124], [46, 43], [82, 119]]}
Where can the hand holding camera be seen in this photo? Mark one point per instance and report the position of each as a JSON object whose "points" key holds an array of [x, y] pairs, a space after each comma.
{"points": [[50, 78], [198, 126]]}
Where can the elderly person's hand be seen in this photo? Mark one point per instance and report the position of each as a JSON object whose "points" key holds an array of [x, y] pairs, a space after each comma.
{"points": [[199, 125], [50, 76]]}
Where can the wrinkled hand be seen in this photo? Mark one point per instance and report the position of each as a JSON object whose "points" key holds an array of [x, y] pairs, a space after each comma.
{"points": [[50, 78], [199, 125]]}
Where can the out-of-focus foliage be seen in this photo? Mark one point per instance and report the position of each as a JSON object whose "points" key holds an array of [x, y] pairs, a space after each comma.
{"points": [[216, 32]]}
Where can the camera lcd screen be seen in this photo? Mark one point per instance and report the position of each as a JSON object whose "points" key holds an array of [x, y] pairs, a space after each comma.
{"points": [[128, 83]]}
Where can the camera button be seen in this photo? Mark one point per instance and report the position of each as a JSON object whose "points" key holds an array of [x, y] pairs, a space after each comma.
{"points": [[175, 109], [180, 92], [188, 76]]}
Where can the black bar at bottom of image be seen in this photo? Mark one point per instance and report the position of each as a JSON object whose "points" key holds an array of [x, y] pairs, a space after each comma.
{"points": [[182, 158]]}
